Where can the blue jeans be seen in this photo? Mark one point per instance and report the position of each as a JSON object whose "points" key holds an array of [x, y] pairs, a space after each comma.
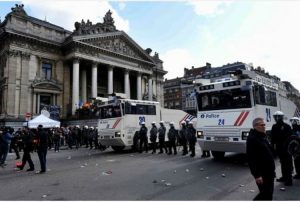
{"points": [[56, 145], [42, 153]]}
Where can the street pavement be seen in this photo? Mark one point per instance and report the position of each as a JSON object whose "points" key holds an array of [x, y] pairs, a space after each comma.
{"points": [[86, 174]]}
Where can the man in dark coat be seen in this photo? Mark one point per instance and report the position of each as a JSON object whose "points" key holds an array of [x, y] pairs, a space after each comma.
{"points": [[280, 134], [42, 147], [261, 160]]}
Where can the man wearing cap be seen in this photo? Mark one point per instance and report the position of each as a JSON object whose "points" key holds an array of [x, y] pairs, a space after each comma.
{"points": [[161, 137], [42, 147], [153, 136], [192, 138], [143, 138]]}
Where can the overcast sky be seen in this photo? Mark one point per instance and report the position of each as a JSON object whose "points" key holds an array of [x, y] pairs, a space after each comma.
{"points": [[191, 33]]}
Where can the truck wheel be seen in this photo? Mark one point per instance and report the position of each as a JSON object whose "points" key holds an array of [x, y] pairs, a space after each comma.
{"points": [[218, 155], [118, 148]]}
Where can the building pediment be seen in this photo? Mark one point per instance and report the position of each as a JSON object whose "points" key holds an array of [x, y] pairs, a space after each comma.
{"points": [[46, 85], [116, 42]]}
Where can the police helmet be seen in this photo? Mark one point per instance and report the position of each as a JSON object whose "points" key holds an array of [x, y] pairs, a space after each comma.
{"points": [[143, 123], [161, 122], [295, 120], [278, 113], [171, 123], [153, 122], [191, 122], [278, 116], [92, 127], [183, 122], [77, 126], [86, 127]]}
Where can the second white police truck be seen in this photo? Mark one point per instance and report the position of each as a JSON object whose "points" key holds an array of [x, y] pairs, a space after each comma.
{"points": [[227, 107]]}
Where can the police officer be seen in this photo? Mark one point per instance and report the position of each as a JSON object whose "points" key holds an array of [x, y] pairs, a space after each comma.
{"points": [[295, 121], [161, 137], [280, 133], [143, 137], [91, 137], [85, 134], [153, 136], [192, 138], [183, 138], [172, 134]]}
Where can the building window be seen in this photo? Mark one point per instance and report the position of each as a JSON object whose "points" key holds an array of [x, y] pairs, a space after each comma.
{"points": [[46, 71]]}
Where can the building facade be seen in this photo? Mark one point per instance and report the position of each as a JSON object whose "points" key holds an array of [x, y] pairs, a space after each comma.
{"points": [[44, 64], [172, 93]]}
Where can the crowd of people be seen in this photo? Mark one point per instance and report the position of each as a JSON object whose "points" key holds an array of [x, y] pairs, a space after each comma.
{"points": [[261, 153], [41, 140]]}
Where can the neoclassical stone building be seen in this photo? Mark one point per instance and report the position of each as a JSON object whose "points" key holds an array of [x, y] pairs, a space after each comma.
{"points": [[42, 63]]}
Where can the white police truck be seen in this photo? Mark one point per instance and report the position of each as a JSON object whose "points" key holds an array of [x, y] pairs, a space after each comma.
{"points": [[120, 120], [227, 107]]}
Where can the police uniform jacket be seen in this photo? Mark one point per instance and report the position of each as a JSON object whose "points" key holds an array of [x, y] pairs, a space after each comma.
{"points": [[153, 134], [183, 134], [162, 132], [191, 135], [280, 134], [260, 156], [172, 134], [143, 132]]}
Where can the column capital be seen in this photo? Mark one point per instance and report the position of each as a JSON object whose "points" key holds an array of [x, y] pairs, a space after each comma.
{"points": [[94, 63], [76, 60], [111, 67]]}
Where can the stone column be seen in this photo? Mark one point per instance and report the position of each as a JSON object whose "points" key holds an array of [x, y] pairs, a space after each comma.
{"points": [[83, 86], [150, 89], [143, 85], [154, 88], [17, 99], [34, 105], [139, 86], [110, 80], [94, 80], [38, 104], [75, 86], [127, 84]]}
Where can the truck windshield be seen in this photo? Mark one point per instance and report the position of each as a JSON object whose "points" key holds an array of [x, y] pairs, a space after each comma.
{"points": [[108, 111], [224, 99]]}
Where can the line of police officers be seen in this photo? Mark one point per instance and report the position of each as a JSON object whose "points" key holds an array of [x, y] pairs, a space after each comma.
{"points": [[184, 137]]}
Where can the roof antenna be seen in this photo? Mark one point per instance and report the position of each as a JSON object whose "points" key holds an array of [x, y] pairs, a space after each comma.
{"points": [[45, 18]]}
